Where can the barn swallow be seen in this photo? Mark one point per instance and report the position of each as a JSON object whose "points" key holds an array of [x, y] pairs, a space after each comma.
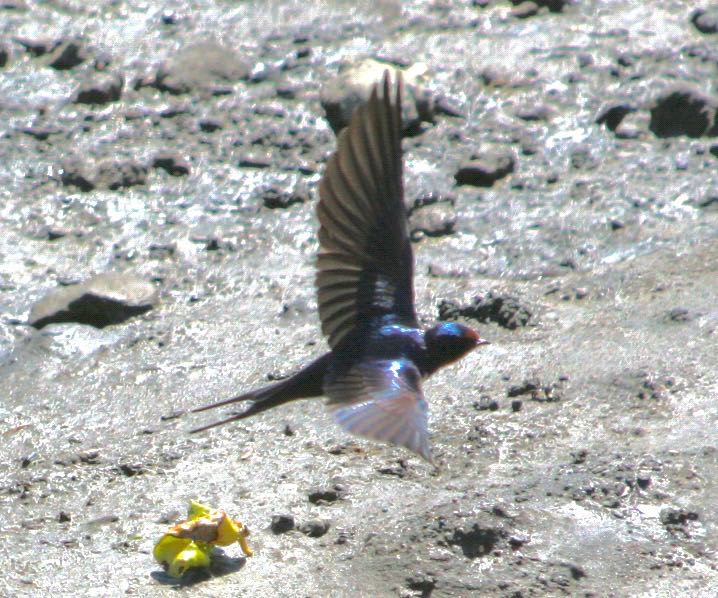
{"points": [[379, 354]]}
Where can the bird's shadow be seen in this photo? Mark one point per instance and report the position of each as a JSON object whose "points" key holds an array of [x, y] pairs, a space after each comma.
{"points": [[220, 565]]}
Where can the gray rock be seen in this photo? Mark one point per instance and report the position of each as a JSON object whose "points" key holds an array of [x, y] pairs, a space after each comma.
{"points": [[706, 19], [115, 175], [206, 65], [633, 126], [109, 298], [342, 95], [37, 46], [435, 220], [525, 9], [109, 174]]}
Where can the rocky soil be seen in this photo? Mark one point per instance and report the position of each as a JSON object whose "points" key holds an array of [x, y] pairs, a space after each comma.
{"points": [[562, 175]]}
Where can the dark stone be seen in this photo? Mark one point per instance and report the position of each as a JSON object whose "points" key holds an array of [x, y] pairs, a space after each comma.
{"points": [[711, 201], [542, 393], [552, 5], [131, 469], [101, 88], [533, 113], [160, 251], [612, 116], [171, 164], [527, 387], [67, 55], [174, 111], [324, 496], [679, 314], [422, 583], [579, 456], [673, 517], [109, 298], [169, 18], [443, 105], [73, 174], [431, 199], [506, 311], [208, 125], [286, 91], [255, 161], [315, 528], [484, 172], [476, 541], [486, 404], [282, 524], [643, 481], [274, 198], [517, 541], [397, 468], [41, 133], [683, 112]]}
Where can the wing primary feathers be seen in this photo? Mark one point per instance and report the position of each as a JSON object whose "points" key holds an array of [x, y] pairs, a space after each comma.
{"points": [[356, 159], [363, 233]]}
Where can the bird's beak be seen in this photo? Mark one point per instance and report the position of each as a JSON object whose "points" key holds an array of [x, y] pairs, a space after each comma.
{"points": [[481, 341]]}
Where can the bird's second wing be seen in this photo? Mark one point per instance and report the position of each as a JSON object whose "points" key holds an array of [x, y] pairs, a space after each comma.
{"points": [[382, 400], [365, 264]]}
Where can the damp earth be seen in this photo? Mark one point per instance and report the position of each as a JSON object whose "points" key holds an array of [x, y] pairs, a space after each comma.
{"points": [[158, 181]]}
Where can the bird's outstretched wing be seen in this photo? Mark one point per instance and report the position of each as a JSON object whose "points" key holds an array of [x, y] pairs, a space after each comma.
{"points": [[365, 264], [382, 400]]}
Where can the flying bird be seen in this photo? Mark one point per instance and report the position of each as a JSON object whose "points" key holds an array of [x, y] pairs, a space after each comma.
{"points": [[379, 354]]}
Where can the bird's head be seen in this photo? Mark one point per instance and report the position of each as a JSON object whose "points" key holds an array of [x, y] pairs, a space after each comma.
{"points": [[448, 342]]}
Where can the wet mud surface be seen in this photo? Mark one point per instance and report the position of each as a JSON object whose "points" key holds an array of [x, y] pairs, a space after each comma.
{"points": [[563, 187]]}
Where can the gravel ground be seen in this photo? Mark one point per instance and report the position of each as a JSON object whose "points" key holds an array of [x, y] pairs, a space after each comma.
{"points": [[562, 180]]}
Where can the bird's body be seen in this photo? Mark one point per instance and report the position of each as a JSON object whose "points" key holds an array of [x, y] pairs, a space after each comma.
{"points": [[379, 354]]}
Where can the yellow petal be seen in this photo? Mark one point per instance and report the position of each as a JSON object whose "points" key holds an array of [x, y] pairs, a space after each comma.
{"points": [[192, 557], [197, 510], [243, 541], [167, 549], [228, 531]]}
